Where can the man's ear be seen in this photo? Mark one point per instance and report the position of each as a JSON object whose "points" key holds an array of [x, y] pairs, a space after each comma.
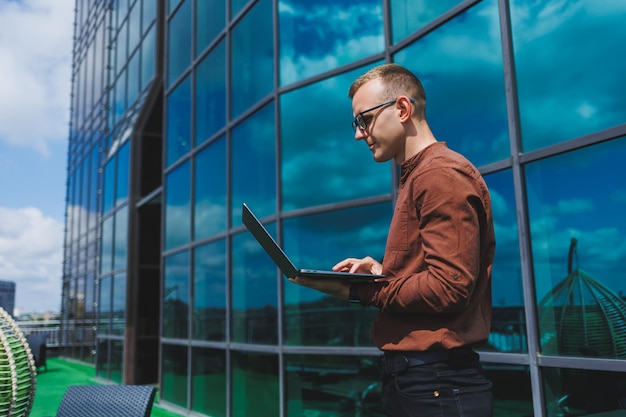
{"points": [[406, 108]]}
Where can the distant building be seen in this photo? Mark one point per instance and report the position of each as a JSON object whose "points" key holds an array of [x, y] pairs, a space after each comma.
{"points": [[7, 296]]}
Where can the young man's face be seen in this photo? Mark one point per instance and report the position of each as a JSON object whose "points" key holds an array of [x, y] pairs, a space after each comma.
{"points": [[383, 132]]}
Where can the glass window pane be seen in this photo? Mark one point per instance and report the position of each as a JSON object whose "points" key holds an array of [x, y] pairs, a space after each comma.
{"points": [[470, 116], [116, 365], [179, 122], [177, 207], [209, 293], [149, 14], [580, 392], [133, 78], [315, 172], [329, 385], [318, 242], [508, 326], [578, 229], [104, 306], [236, 5], [134, 26], [209, 382], [119, 304], [176, 296], [254, 292], [255, 385], [407, 16], [121, 47], [568, 69], [148, 60], [102, 358], [210, 208], [179, 42], [318, 35], [106, 250], [174, 374], [210, 21], [253, 165], [120, 97], [108, 194], [121, 239], [171, 5], [123, 173], [211, 94], [252, 58]]}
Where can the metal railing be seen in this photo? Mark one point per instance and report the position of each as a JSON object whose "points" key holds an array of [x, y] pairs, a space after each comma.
{"points": [[51, 328]]}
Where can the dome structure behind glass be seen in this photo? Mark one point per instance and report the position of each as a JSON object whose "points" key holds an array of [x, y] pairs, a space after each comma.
{"points": [[582, 317]]}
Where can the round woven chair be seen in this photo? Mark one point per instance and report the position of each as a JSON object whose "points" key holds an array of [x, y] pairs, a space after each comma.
{"points": [[17, 370]]}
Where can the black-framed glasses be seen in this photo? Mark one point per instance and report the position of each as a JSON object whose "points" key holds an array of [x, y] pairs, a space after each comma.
{"points": [[359, 120]]}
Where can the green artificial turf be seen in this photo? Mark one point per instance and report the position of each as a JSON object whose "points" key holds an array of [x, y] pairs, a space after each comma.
{"points": [[61, 373]]}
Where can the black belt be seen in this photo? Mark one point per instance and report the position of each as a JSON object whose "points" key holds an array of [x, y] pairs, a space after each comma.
{"points": [[394, 362]]}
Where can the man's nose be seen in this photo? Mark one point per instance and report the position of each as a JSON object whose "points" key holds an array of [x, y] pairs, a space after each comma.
{"points": [[359, 134]]}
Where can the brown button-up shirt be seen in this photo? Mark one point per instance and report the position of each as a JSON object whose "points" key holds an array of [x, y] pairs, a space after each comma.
{"points": [[440, 249]]}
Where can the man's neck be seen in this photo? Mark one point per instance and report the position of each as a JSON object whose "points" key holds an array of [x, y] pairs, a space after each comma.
{"points": [[420, 140]]}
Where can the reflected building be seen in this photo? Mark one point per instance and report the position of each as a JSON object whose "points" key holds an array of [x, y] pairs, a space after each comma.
{"points": [[184, 109], [582, 317]]}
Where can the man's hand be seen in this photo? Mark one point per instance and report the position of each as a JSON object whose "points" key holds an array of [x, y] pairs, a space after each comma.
{"points": [[367, 265], [336, 287]]}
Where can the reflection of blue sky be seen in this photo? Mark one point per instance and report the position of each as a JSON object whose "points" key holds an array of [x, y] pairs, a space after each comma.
{"points": [[579, 195], [210, 275], [252, 50], [407, 16], [253, 167], [506, 273], [320, 35], [177, 207], [461, 68], [254, 273], [570, 68], [321, 161], [210, 190], [320, 241]]}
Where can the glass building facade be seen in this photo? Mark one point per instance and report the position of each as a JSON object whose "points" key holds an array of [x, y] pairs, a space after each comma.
{"points": [[184, 109]]}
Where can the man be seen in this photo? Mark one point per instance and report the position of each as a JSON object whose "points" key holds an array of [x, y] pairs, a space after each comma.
{"points": [[435, 300]]}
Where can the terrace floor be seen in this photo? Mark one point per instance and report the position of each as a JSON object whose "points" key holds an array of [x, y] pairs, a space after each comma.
{"points": [[61, 373]]}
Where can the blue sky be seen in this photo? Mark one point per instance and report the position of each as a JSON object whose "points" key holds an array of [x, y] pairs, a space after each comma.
{"points": [[35, 85]]}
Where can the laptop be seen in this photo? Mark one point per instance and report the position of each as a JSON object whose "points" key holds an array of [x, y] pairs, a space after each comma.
{"points": [[283, 262]]}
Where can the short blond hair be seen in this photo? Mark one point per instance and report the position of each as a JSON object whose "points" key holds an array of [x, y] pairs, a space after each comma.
{"points": [[397, 81]]}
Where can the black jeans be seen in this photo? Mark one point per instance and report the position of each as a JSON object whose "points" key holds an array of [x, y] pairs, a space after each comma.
{"points": [[455, 388]]}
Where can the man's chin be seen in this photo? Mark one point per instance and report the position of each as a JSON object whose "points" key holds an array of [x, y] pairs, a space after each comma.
{"points": [[380, 157]]}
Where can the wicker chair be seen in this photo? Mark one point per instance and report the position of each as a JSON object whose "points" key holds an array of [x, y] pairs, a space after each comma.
{"points": [[17, 370], [107, 401]]}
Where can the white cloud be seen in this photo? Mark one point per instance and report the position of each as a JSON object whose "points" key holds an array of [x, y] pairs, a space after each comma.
{"points": [[31, 253], [35, 57]]}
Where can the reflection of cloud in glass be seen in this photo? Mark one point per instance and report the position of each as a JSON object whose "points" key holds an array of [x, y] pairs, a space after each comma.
{"points": [[253, 165], [461, 68], [254, 275], [177, 225], [568, 69], [320, 241], [209, 218], [321, 161], [572, 196], [318, 35]]}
